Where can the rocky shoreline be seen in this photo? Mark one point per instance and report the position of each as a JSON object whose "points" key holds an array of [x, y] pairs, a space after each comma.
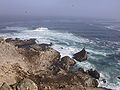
{"points": [[26, 65]]}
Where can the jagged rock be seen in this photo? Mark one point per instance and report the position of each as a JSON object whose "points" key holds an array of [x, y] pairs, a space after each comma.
{"points": [[21, 43], [41, 47], [81, 56], [93, 73], [86, 80], [5, 87], [81, 70], [26, 84], [62, 66], [66, 63]]}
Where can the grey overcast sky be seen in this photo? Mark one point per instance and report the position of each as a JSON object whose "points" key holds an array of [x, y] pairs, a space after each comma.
{"points": [[77, 8]]}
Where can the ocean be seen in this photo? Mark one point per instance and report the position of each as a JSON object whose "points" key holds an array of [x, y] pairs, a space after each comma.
{"points": [[100, 37]]}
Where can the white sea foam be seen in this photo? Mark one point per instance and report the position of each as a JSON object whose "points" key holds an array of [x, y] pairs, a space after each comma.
{"points": [[113, 27], [41, 29]]}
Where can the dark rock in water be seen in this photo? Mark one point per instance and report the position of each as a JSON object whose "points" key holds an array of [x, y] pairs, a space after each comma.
{"points": [[5, 87], [104, 80], [118, 77], [66, 63], [47, 44], [93, 73], [81, 56]]}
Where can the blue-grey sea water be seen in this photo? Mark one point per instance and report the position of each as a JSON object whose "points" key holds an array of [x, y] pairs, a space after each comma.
{"points": [[100, 37]]}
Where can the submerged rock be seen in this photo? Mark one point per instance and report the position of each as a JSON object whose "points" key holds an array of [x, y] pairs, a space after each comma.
{"points": [[93, 73], [81, 56]]}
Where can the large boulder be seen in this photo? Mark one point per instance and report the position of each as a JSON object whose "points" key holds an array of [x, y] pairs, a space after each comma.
{"points": [[93, 73], [62, 66], [81, 56], [66, 63], [25, 84]]}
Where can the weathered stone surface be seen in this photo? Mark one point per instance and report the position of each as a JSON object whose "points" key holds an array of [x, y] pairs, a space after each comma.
{"points": [[93, 73], [5, 87], [81, 56], [66, 63], [86, 80], [26, 84], [17, 63], [2, 39], [21, 43]]}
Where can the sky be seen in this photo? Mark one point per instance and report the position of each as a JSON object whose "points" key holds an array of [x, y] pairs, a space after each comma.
{"points": [[74, 8]]}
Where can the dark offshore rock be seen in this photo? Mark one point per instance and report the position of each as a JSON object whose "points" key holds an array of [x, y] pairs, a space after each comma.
{"points": [[66, 63], [118, 77], [104, 80], [5, 86], [93, 73], [81, 56]]}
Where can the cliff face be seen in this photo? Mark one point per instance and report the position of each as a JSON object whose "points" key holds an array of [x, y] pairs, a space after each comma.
{"points": [[20, 59]]}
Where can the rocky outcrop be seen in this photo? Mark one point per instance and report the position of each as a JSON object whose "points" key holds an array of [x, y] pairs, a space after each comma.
{"points": [[85, 79], [66, 63], [21, 43], [81, 56], [94, 73], [41, 66], [17, 62]]}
